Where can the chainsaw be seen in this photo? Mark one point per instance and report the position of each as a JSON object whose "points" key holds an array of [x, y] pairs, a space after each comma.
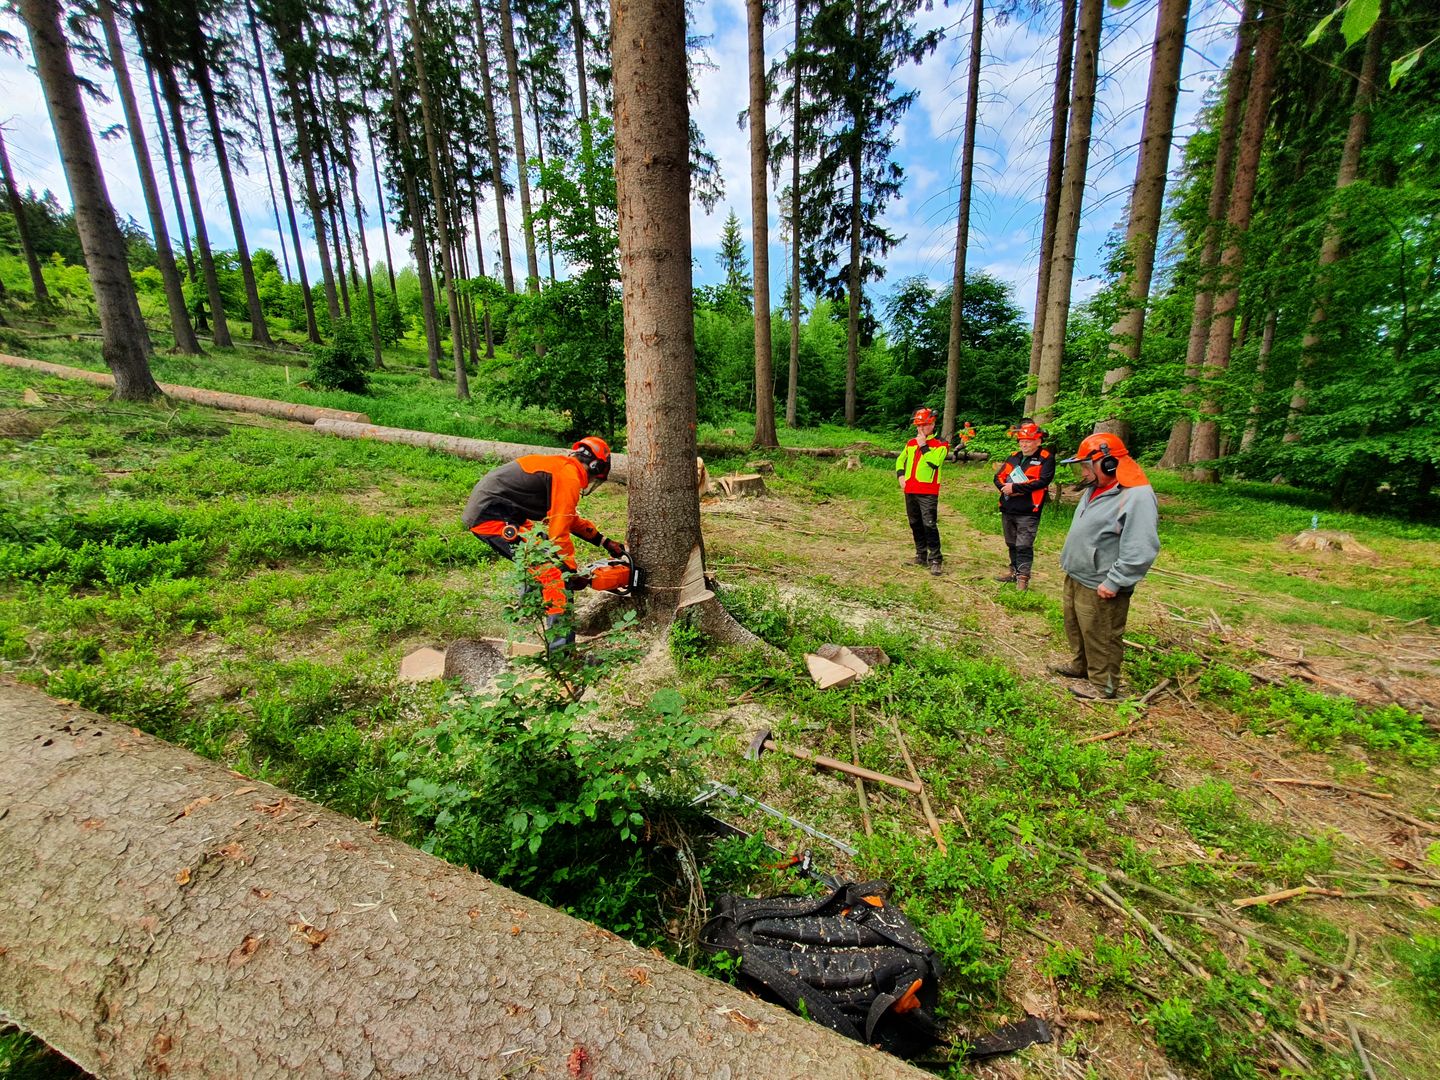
{"points": [[618, 575]]}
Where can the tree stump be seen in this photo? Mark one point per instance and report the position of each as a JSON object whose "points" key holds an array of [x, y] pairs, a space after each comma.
{"points": [[744, 484], [163, 916], [1327, 541]]}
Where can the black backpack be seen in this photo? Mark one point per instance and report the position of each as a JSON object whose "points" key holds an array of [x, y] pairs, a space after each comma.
{"points": [[848, 960]]}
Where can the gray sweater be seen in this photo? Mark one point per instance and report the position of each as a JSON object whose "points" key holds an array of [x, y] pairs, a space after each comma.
{"points": [[1113, 538]]}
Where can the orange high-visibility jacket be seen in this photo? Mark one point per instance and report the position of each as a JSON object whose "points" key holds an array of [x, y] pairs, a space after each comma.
{"points": [[536, 487]]}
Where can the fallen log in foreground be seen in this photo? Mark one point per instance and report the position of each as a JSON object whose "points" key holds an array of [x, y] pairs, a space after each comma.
{"points": [[162, 916], [459, 445], [215, 399]]}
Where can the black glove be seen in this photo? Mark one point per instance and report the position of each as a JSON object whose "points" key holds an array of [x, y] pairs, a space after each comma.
{"points": [[576, 582], [614, 548]]}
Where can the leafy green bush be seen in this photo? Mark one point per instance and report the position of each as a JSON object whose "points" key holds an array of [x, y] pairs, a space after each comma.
{"points": [[343, 363], [1422, 957]]}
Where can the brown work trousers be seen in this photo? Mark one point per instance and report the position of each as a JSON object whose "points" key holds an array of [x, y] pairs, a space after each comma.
{"points": [[1095, 629]]}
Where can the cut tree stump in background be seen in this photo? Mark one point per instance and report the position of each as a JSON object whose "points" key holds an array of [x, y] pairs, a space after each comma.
{"points": [[1325, 540], [749, 484], [161, 915]]}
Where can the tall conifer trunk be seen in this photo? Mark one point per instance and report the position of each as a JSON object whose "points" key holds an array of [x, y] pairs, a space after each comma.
{"points": [[1205, 441], [852, 311], [22, 227], [760, 228], [1054, 174], [125, 343], [1147, 197], [1237, 84], [962, 226], [201, 326], [1067, 219], [380, 202], [497, 168], [299, 109], [512, 73], [792, 392]]}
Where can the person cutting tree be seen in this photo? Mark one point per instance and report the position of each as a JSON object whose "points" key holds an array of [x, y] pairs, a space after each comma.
{"points": [[508, 502]]}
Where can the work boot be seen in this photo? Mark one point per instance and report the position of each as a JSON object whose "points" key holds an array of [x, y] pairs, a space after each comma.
{"points": [[1007, 577], [936, 568], [1066, 672], [921, 559], [1022, 582]]}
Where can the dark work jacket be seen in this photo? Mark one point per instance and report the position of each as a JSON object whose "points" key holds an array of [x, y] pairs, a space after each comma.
{"points": [[1029, 496]]}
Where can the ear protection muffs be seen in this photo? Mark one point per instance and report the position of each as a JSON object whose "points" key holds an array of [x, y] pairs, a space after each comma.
{"points": [[1109, 464]]}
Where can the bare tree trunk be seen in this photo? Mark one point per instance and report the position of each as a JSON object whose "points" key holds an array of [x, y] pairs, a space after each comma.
{"points": [[962, 227], [582, 77], [1262, 363], [544, 196], [652, 185], [1177, 450], [1067, 219], [312, 329], [339, 217], [185, 339], [201, 326], [852, 314], [497, 170], [380, 201], [171, 88], [437, 189], [27, 248], [365, 255], [1054, 173], [512, 72], [1205, 441], [419, 248], [1355, 137], [760, 228], [792, 390], [299, 109], [1147, 197], [480, 265], [125, 343], [259, 331], [270, 180]]}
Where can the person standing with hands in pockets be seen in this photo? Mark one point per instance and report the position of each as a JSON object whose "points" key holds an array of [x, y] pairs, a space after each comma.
{"points": [[1023, 479], [917, 472]]}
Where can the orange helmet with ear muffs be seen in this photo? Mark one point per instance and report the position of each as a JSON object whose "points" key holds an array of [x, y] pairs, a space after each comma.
{"points": [[594, 454], [1111, 458], [923, 415]]}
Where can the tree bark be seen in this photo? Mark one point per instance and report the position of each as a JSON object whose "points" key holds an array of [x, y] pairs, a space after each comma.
{"points": [[1205, 441], [792, 392], [1054, 173], [170, 86], [1067, 219], [1147, 197], [125, 341], [962, 226], [1237, 84], [365, 255], [544, 196], [480, 267], [497, 167], [419, 248], [652, 187], [512, 73], [852, 312], [1355, 136], [201, 326], [264, 150], [164, 916], [185, 340], [27, 247], [259, 331], [582, 78], [437, 191], [380, 201], [299, 109], [765, 435]]}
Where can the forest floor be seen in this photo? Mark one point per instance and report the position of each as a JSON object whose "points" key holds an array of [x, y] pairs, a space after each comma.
{"points": [[247, 588]]}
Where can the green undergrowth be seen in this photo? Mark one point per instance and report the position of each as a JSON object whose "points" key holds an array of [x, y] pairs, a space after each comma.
{"points": [[23, 1057]]}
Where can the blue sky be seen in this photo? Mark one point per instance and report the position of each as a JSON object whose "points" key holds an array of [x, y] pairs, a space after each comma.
{"points": [[1016, 81]]}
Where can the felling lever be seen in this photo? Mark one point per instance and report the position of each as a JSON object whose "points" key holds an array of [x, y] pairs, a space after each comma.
{"points": [[763, 741]]}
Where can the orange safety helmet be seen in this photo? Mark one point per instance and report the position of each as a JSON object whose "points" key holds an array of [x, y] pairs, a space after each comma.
{"points": [[1112, 459], [1029, 431], [594, 454], [922, 416]]}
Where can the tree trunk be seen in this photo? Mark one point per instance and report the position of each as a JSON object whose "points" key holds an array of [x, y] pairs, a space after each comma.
{"points": [[259, 332], [1147, 197], [380, 201], [164, 916], [652, 187], [365, 255], [185, 339], [512, 73], [312, 328], [1054, 173], [1237, 84], [544, 196], [480, 267], [1262, 363], [1205, 441], [852, 313], [419, 248], [962, 227], [340, 226], [299, 109], [1355, 137], [125, 341], [437, 190], [192, 275], [582, 78], [792, 392], [27, 248], [264, 150], [760, 229], [497, 168], [1067, 218]]}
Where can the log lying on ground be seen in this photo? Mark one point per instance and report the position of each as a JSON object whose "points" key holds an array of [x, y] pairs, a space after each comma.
{"points": [[160, 915], [215, 399], [473, 449], [719, 450]]}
